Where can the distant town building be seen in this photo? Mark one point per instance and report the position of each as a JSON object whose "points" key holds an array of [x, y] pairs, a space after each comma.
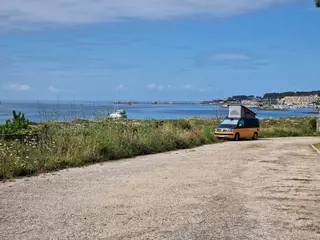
{"points": [[301, 100]]}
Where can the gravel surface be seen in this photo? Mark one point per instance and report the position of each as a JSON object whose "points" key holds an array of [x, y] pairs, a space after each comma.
{"points": [[265, 189]]}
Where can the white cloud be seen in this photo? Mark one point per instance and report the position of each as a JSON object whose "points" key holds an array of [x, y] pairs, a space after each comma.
{"points": [[159, 87], [18, 87], [54, 90], [152, 86], [15, 12], [191, 87], [119, 87], [235, 60], [188, 86], [229, 57], [206, 89]]}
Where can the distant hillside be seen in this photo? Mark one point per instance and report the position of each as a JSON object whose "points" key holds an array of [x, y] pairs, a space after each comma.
{"points": [[242, 97], [291, 94]]}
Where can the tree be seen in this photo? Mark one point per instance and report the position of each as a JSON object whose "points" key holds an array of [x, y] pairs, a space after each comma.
{"points": [[317, 3]]}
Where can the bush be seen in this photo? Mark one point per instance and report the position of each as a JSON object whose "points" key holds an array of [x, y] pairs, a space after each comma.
{"points": [[18, 124], [182, 124], [313, 124]]}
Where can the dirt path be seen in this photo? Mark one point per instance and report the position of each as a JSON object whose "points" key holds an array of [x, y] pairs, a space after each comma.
{"points": [[266, 189]]}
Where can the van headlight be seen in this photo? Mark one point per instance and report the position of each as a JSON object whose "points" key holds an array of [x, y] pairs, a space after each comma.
{"points": [[229, 130]]}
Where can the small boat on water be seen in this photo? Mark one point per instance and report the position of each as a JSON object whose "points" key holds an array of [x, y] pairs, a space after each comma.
{"points": [[118, 113]]}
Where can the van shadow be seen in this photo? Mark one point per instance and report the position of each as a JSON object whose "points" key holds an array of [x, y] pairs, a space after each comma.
{"points": [[247, 140]]}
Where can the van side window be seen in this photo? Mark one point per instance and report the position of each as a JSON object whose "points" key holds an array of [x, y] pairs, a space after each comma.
{"points": [[248, 123], [241, 123], [251, 123], [255, 123]]}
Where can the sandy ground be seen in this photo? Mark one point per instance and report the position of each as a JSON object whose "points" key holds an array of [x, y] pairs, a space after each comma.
{"points": [[266, 189]]}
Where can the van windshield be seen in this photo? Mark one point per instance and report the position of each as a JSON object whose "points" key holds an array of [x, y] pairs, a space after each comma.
{"points": [[229, 123]]}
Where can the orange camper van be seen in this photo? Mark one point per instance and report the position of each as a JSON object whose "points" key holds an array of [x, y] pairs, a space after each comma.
{"points": [[241, 123]]}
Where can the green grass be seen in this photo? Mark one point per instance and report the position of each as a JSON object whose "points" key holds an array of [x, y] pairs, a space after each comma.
{"points": [[318, 146], [289, 127], [80, 143]]}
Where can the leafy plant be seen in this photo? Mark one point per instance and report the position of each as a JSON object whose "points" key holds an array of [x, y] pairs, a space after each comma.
{"points": [[313, 124], [17, 124]]}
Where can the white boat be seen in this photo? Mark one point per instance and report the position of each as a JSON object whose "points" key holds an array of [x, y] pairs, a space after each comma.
{"points": [[118, 113]]}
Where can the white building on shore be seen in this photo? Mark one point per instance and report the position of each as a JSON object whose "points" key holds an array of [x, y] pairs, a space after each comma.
{"points": [[299, 100]]}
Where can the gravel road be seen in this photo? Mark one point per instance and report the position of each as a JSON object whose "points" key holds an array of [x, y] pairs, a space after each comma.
{"points": [[265, 189]]}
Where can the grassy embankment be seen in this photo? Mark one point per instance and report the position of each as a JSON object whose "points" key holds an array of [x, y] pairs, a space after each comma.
{"points": [[79, 143]]}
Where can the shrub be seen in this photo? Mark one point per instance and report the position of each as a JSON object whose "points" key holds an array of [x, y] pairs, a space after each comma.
{"points": [[182, 124], [313, 124], [18, 124]]}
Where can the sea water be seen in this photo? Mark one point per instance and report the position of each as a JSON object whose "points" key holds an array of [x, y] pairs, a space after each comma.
{"points": [[40, 111]]}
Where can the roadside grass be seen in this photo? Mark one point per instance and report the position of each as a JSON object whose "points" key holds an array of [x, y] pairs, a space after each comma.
{"points": [[79, 143], [318, 146], [289, 127]]}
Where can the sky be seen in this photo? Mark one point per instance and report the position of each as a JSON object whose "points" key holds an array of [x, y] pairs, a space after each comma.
{"points": [[156, 50]]}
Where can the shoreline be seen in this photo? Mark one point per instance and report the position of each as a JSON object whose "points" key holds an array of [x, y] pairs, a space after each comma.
{"points": [[92, 120], [312, 113], [69, 112]]}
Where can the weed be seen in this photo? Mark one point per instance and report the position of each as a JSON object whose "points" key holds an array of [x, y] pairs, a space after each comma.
{"points": [[82, 142], [18, 124]]}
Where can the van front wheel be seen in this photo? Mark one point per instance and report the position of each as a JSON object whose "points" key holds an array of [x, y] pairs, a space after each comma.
{"points": [[237, 137], [255, 136]]}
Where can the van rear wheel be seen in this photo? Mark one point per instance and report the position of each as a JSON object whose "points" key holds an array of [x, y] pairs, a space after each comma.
{"points": [[255, 136], [237, 137]]}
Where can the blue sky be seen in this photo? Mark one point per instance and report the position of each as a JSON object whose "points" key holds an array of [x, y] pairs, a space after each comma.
{"points": [[156, 50]]}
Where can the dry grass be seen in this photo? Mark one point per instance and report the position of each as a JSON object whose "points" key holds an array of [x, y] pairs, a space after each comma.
{"points": [[80, 143], [289, 127], [76, 144]]}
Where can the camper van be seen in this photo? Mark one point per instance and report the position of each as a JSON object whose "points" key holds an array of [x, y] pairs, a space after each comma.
{"points": [[240, 123]]}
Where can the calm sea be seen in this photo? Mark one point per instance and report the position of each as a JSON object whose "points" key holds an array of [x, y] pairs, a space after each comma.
{"points": [[68, 110]]}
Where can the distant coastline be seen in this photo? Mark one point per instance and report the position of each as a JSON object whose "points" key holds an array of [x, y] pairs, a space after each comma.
{"points": [[313, 112], [283, 101], [274, 107], [156, 102]]}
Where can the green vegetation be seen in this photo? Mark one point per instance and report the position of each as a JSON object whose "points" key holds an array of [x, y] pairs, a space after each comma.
{"points": [[289, 127], [79, 143], [317, 3], [82, 142], [18, 124], [243, 97], [318, 146]]}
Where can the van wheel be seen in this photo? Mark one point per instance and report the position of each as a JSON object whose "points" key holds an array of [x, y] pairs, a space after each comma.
{"points": [[255, 136], [237, 137]]}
